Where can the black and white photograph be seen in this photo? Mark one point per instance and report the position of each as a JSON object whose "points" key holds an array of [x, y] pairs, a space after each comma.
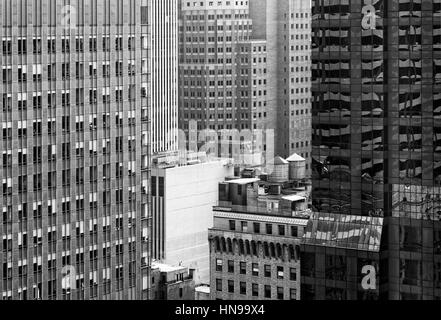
{"points": [[220, 156]]}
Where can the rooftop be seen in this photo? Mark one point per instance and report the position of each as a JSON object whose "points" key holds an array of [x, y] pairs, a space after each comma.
{"points": [[203, 289], [166, 268], [225, 206], [294, 198], [243, 181], [295, 158]]}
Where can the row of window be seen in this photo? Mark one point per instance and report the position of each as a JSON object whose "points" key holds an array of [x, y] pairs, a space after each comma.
{"points": [[231, 267], [219, 28], [227, 16], [51, 74], [257, 228], [80, 96], [79, 283], [255, 290], [39, 184], [65, 44], [66, 151], [22, 131]]}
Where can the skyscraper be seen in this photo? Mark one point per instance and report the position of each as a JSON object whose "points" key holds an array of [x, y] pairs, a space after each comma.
{"points": [[78, 104], [285, 25], [164, 71], [223, 73], [376, 131]]}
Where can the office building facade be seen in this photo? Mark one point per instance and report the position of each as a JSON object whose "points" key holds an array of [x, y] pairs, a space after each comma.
{"points": [[340, 257], [286, 27], [376, 111], [164, 69], [76, 145], [256, 238], [223, 71]]}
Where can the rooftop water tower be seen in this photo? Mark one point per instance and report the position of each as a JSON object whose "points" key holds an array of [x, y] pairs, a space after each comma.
{"points": [[297, 167], [280, 170]]}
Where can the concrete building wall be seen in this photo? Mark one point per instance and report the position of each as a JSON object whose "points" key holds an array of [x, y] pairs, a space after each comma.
{"points": [[189, 195]]}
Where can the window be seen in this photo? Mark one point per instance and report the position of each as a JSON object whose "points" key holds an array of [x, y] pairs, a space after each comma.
{"points": [[280, 295], [154, 194], [294, 231], [79, 41], [267, 271], [255, 290], [218, 284], [244, 226], [243, 288], [243, 268], [281, 230], [256, 227], [232, 225], [292, 294], [267, 291], [280, 273], [22, 73], [161, 186], [230, 286], [230, 266], [219, 265], [292, 274], [269, 229], [255, 269], [51, 45], [22, 46], [65, 45], [36, 45]]}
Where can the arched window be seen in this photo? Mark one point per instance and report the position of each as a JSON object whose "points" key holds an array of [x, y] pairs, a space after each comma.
{"points": [[273, 250], [247, 247], [230, 245], [279, 251], [217, 244], [241, 247], [266, 249], [224, 245], [292, 255], [297, 253], [254, 248]]}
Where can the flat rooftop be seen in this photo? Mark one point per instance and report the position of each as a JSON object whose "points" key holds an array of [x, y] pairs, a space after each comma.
{"points": [[203, 289], [243, 181], [294, 198], [166, 268]]}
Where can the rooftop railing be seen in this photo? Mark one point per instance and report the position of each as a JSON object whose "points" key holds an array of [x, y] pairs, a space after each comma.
{"points": [[227, 206]]}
